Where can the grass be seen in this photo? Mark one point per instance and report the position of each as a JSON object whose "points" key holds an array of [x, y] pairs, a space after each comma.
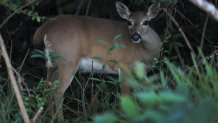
{"points": [[193, 99], [96, 98]]}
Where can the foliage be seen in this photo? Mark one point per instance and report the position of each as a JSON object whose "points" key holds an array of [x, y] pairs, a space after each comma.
{"points": [[111, 46], [37, 97], [165, 3], [16, 6], [194, 98], [40, 54]]}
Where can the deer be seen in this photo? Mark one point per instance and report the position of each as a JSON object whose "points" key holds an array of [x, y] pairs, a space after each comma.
{"points": [[75, 39]]}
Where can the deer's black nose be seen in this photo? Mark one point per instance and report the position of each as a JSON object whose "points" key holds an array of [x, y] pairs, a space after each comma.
{"points": [[136, 37]]}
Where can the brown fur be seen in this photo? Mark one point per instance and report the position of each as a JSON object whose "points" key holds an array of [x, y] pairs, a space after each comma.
{"points": [[76, 37]]}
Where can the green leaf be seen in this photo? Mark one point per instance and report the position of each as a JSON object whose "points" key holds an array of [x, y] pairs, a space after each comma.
{"points": [[163, 79], [172, 97], [139, 69], [149, 98], [97, 58], [38, 19], [103, 41], [55, 56], [105, 118], [117, 36], [154, 116], [174, 71], [37, 54], [119, 45], [96, 79], [129, 107], [111, 48], [133, 83], [38, 51], [113, 61]]}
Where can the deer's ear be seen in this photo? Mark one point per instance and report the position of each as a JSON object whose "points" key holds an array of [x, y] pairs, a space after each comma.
{"points": [[152, 12], [123, 10]]}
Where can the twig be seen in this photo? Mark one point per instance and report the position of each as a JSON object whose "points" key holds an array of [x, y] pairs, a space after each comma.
{"points": [[183, 16], [180, 30], [204, 32], [13, 82], [11, 15], [180, 57], [21, 82], [37, 115], [207, 7], [59, 8], [78, 9], [203, 60], [19, 79], [88, 7]]}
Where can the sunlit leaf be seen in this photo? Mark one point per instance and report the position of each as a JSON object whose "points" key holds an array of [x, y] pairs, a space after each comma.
{"points": [[105, 118], [96, 79], [117, 36], [97, 58], [149, 98], [171, 97], [119, 45], [139, 69], [113, 61], [37, 54], [111, 48], [154, 116], [103, 41], [129, 107]]}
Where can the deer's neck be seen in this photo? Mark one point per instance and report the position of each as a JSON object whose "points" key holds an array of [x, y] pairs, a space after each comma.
{"points": [[151, 42]]}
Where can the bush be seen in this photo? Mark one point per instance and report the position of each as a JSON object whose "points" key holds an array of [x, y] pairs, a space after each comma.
{"points": [[193, 99]]}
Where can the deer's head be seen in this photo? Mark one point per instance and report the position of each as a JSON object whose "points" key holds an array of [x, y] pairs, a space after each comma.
{"points": [[138, 22]]}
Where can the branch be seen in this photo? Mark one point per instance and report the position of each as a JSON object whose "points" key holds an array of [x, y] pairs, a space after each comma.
{"points": [[13, 82], [180, 30], [204, 32], [11, 15], [207, 7], [37, 115]]}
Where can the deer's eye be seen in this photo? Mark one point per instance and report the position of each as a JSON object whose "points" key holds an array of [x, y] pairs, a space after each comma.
{"points": [[145, 23], [129, 23]]}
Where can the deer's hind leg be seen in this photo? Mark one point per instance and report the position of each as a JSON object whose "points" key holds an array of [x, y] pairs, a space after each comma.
{"points": [[52, 76], [63, 74]]}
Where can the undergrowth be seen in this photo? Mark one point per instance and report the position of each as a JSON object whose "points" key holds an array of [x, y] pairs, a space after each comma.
{"points": [[194, 99], [187, 94], [96, 98]]}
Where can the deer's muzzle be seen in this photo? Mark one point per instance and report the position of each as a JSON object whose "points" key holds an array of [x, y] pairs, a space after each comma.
{"points": [[136, 37]]}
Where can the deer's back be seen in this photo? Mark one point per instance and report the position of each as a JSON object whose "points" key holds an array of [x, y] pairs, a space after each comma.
{"points": [[67, 33]]}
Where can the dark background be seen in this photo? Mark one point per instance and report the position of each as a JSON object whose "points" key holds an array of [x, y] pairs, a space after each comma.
{"points": [[18, 31]]}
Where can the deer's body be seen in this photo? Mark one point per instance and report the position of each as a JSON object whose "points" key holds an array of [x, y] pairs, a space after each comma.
{"points": [[66, 35], [76, 40]]}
